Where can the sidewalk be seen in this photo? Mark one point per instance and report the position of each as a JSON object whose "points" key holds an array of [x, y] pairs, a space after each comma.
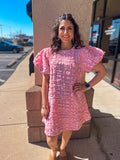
{"points": [[103, 144], [106, 118]]}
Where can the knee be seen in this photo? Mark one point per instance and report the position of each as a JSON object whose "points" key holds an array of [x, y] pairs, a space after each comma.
{"points": [[49, 140], [52, 143]]}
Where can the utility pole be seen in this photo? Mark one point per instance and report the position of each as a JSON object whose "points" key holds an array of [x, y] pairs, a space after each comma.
{"points": [[10, 31], [1, 30]]}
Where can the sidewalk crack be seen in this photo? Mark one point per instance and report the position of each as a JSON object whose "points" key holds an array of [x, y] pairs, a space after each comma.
{"points": [[12, 124]]}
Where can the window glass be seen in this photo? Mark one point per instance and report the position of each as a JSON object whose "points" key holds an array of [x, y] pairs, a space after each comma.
{"points": [[117, 75], [90, 36], [114, 36], [110, 36], [93, 40], [109, 67]]}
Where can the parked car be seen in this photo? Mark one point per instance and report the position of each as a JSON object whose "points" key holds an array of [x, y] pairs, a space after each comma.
{"points": [[8, 40], [7, 46], [30, 43], [25, 42]]}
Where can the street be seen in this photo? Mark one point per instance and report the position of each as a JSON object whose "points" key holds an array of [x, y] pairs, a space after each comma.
{"points": [[9, 62]]}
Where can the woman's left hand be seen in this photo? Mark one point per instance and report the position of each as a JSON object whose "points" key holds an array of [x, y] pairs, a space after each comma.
{"points": [[79, 87], [45, 112]]}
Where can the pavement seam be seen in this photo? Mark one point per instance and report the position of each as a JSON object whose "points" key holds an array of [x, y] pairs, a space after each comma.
{"points": [[98, 136], [12, 124]]}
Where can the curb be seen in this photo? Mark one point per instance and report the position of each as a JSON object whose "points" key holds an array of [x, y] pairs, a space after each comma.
{"points": [[11, 64], [19, 57]]}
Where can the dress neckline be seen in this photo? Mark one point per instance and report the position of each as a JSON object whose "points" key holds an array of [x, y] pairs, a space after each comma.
{"points": [[66, 50]]}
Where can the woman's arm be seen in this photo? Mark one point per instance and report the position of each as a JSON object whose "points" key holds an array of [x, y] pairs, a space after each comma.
{"points": [[101, 73], [45, 85]]}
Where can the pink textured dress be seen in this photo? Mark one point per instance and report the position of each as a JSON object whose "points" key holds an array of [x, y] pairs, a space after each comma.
{"points": [[68, 110]]}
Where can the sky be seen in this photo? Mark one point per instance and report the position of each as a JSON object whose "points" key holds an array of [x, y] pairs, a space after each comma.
{"points": [[14, 18]]}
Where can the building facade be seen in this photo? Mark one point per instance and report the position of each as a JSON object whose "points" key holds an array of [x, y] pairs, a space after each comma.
{"points": [[105, 34]]}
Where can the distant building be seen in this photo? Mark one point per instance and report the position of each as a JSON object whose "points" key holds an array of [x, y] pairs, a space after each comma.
{"points": [[23, 37]]}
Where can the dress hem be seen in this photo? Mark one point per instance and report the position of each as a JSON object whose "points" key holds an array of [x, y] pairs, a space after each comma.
{"points": [[72, 129]]}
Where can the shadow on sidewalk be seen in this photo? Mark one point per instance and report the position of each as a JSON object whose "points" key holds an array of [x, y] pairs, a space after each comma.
{"points": [[101, 145]]}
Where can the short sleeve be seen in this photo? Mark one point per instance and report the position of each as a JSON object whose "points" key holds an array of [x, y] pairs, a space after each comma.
{"points": [[41, 61], [90, 57]]}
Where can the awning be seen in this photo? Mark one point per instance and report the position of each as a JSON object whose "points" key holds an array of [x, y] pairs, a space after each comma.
{"points": [[29, 9]]}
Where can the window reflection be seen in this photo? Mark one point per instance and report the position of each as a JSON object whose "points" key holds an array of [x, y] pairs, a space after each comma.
{"points": [[109, 67], [114, 36], [110, 36], [94, 36], [90, 36], [105, 33], [117, 75]]}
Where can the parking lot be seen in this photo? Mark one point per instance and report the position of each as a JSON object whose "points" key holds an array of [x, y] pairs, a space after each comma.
{"points": [[9, 62]]}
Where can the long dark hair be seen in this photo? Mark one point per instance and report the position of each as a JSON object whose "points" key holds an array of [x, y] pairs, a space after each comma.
{"points": [[56, 42]]}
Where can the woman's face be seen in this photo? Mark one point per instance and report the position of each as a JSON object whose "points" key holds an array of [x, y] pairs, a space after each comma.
{"points": [[66, 31]]}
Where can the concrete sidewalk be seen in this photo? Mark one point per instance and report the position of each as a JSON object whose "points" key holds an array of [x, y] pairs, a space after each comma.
{"points": [[103, 144], [106, 118]]}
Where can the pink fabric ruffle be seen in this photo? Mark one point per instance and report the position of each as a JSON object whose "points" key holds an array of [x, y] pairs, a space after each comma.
{"points": [[90, 57]]}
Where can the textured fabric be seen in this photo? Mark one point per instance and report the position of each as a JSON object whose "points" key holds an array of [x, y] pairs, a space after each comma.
{"points": [[68, 110], [41, 61]]}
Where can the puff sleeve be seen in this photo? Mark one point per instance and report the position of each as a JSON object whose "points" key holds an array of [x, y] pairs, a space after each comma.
{"points": [[90, 57], [41, 61]]}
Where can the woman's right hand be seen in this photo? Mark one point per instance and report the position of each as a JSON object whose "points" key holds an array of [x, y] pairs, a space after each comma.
{"points": [[45, 112]]}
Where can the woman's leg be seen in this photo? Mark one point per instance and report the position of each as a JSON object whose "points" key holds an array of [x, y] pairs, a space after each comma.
{"points": [[65, 139], [52, 143]]}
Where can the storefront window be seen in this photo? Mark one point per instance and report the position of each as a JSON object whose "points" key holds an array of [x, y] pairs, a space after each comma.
{"points": [[94, 36], [109, 67], [90, 36], [114, 35], [117, 75], [110, 36], [105, 33]]}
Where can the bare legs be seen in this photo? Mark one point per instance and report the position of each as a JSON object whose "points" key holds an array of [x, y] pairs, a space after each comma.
{"points": [[52, 142], [65, 139]]}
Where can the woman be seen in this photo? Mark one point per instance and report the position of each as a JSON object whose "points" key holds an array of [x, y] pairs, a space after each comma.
{"points": [[63, 65]]}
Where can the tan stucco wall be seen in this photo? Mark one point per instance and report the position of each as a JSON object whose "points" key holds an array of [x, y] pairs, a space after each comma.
{"points": [[44, 14]]}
